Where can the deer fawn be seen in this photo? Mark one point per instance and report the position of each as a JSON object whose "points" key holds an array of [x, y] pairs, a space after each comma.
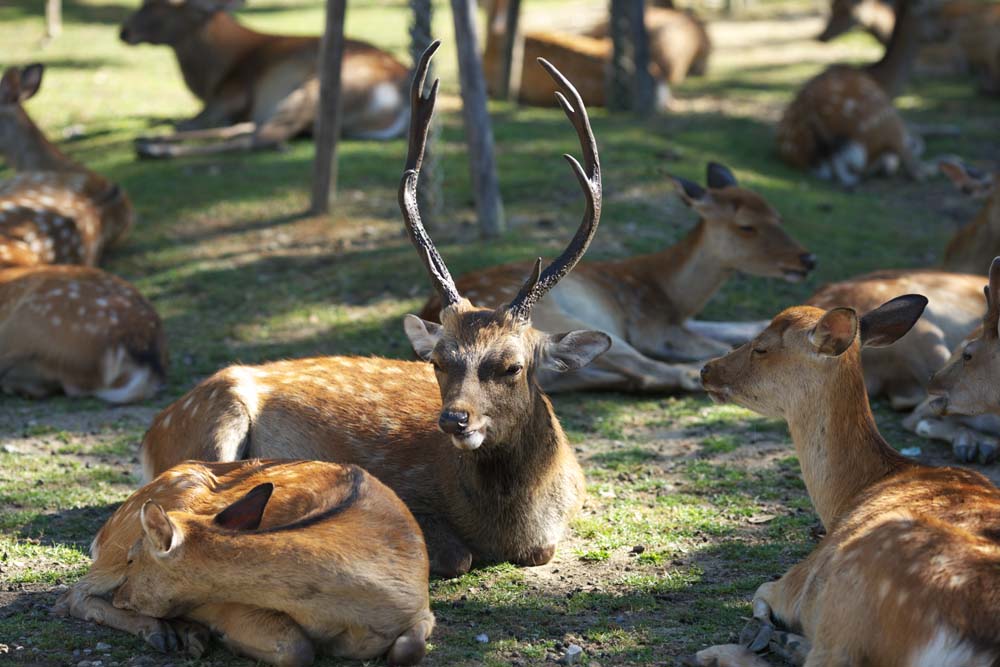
{"points": [[974, 245], [280, 559], [643, 302], [78, 330], [908, 570], [469, 441], [53, 211], [260, 90], [842, 124], [877, 17]]}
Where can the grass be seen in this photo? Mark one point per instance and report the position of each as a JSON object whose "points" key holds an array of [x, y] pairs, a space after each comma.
{"points": [[691, 505]]}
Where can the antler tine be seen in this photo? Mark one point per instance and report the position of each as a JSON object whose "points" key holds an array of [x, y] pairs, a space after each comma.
{"points": [[421, 112], [589, 176], [992, 316]]}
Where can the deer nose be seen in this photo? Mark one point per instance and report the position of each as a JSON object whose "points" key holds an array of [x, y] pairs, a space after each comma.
{"points": [[123, 35], [808, 260], [704, 372], [453, 421]]}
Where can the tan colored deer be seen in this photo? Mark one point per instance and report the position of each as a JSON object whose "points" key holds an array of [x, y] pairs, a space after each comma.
{"points": [[78, 330], [53, 211], [908, 572], [469, 441], [877, 17], [842, 124], [260, 90], [643, 302], [281, 560], [977, 243]]}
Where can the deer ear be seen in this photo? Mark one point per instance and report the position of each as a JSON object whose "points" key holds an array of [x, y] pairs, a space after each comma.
{"points": [[720, 176], [161, 533], [423, 335], [689, 191], [890, 321], [247, 512], [835, 332], [10, 86], [576, 349], [991, 320], [31, 80]]}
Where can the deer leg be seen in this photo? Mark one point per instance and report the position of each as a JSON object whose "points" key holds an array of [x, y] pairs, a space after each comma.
{"points": [[792, 648], [261, 634], [202, 134], [448, 554], [726, 655], [731, 333], [162, 150]]}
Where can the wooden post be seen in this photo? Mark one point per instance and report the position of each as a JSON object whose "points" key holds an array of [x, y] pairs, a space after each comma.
{"points": [[327, 131], [478, 129], [53, 18], [510, 62], [631, 87], [429, 195]]}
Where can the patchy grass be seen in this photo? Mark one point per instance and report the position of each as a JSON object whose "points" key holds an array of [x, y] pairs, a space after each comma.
{"points": [[691, 505]]}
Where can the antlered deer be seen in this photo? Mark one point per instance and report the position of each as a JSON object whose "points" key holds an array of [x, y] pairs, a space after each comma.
{"points": [[280, 559], [876, 17], [260, 90], [469, 441], [908, 572], [53, 211], [643, 302], [977, 243], [842, 123], [78, 330]]}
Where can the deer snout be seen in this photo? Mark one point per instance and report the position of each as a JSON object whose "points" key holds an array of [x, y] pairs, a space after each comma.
{"points": [[808, 261], [453, 422], [712, 382]]}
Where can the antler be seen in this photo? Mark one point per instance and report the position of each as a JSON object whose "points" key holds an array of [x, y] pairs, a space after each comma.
{"points": [[421, 112], [992, 316], [540, 282]]}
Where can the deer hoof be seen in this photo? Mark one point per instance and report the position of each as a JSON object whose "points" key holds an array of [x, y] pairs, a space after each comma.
{"points": [[539, 556], [163, 637], [964, 448], [987, 452], [756, 634]]}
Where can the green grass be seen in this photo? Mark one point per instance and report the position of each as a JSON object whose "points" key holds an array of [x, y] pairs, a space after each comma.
{"points": [[691, 505]]}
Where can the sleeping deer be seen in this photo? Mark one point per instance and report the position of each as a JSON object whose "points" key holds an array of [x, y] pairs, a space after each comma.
{"points": [[78, 330], [842, 124], [976, 244], [468, 441], [260, 90], [643, 302], [908, 572], [281, 560], [54, 210]]}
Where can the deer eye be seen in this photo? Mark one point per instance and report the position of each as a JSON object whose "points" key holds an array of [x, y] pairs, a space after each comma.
{"points": [[513, 369], [966, 355], [759, 351], [130, 561], [748, 229]]}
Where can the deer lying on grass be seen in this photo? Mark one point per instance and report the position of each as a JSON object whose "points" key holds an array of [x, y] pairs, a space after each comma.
{"points": [[280, 559], [842, 124], [977, 243], [909, 568], [260, 90], [643, 302], [78, 330], [469, 441], [877, 17], [53, 211]]}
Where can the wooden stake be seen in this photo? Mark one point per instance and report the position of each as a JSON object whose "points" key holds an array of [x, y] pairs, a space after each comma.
{"points": [[327, 132]]}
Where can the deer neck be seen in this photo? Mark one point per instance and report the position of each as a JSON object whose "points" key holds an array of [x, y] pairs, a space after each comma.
{"points": [[209, 54], [33, 152], [839, 447], [892, 70]]}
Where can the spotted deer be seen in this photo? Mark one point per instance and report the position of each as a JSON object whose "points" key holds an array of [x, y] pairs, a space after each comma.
{"points": [[468, 441], [975, 244], [908, 571], [78, 330], [644, 301], [282, 560], [259, 90], [877, 17], [53, 210], [842, 124]]}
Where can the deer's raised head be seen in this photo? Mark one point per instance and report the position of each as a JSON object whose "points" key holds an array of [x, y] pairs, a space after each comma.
{"points": [[803, 353], [170, 21], [17, 85], [970, 181], [486, 359], [742, 231], [876, 16], [969, 384]]}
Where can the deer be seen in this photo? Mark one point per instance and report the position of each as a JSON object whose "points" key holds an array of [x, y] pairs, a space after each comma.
{"points": [[53, 210], [281, 560], [465, 437], [876, 17], [975, 244], [842, 124], [260, 90], [909, 549], [644, 302], [81, 331]]}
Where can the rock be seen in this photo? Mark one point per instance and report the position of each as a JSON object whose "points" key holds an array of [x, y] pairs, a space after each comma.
{"points": [[483, 638], [638, 549], [101, 646], [910, 451], [573, 655], [84, 663]]}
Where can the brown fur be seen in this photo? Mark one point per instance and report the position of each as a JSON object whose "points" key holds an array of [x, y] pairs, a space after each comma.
{"points": [[358, 588], [975, 245], [876, 17]]}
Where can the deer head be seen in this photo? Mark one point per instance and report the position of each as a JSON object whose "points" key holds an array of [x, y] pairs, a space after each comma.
{"points": [[807, 349], [485, 360], [970, 181], [170, 21], [17, 85], [741, 230], [968, 384]]}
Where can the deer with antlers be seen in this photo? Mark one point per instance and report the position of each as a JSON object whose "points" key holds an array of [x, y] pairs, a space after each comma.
{"points": [[468, 441], [644, 302], [204, 546], [910, 549], [54, 210], [259, 89], [842, 124]]}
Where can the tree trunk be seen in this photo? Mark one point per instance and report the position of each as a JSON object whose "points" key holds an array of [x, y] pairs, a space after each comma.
{"points": [[53, 18], [327, 131], [630, 87], [429, 197], [510, 58]]}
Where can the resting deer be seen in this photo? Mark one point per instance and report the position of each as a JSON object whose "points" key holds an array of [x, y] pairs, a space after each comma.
{"points": [[908, 572], [260, 90], [78, 330], [977, 243], [643, 302], [280, 559], [53, 211], [468, 441], [842, 124], [877, 17]]}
